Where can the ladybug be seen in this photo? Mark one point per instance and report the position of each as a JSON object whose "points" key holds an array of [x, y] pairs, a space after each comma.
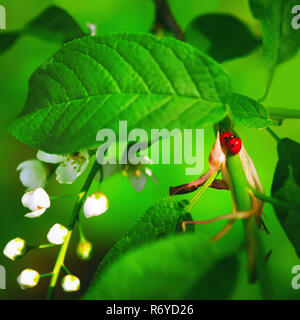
{"points": [[234, 145], [225, 137]]}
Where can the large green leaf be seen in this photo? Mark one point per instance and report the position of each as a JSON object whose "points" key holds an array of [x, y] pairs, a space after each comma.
{"points": [[280, 40], [160, 220], [94, 82], [249, 112], [166, 269], [210, 287], [286, 187], [53, 24], [222, 36]]}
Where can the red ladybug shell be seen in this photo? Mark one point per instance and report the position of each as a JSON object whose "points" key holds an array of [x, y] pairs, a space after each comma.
{"points": [[234, 145], [225, 137]]}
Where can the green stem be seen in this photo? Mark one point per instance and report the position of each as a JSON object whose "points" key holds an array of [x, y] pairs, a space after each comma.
{"points": [[257, 259], [66, 269], [201, 191], [280, 114], [273, 134], [73, 219], [243, 203], [59, 263], [46, 275], [81, 234], [269, 85], [270, 200], [44, 246]]}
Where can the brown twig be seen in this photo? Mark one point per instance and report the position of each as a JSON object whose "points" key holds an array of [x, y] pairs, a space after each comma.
{"points": [[164, 19]]}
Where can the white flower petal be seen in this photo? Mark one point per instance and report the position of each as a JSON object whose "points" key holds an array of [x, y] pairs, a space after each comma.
{"points": [[37, 201], [26, 198], [33, 174], [110, 169], [149, 173], [95, 205], [146, 160], [15, 248], [138, 183], [57, 234], [70, 283], [49, 158], [42, 198], [72, 167], [28, 278], [35, 214]]}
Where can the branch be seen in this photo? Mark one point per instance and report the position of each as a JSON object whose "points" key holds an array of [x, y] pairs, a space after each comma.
{"points": [[280, 114], [73, 219], [164, 20]]}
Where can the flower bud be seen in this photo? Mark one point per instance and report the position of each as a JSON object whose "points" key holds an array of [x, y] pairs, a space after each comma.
{"points": [[15, 248], [84, 249], [37, 201], [57, 234], [28, 278], [95, 205], [70, 283]]}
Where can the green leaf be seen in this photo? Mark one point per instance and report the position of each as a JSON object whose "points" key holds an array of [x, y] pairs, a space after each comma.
{"points": [[280, 41], [166, 269], [7, 40], [286, 187], [212, 287], [160, 220], [249, 112], [94, 82], [210, 33], [53, 24]]}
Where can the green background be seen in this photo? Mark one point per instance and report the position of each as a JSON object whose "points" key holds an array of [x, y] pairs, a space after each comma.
{"points": [[249, 76]]}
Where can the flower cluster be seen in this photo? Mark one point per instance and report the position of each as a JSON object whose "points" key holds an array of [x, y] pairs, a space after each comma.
{"points": [[34, 175]]}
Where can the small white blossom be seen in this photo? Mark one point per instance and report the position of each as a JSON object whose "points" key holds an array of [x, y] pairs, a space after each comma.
{"points": [[57, 234], [28, 278], [95, 205], [15, 248], [37, 201], [70, 166], [33, 174], [70, 283], [138, 173], [137, 170]]}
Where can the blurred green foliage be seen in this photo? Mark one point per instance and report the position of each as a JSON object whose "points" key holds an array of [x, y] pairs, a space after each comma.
{"points": [[126, 206]]}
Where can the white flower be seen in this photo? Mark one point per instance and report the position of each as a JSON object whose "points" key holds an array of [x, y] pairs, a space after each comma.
{"points": [[33, 174], [15, 248], [37, 201], [138, 174], [95, 204], [28, 278], [70, 283], [57, 234], [70, 166]]}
